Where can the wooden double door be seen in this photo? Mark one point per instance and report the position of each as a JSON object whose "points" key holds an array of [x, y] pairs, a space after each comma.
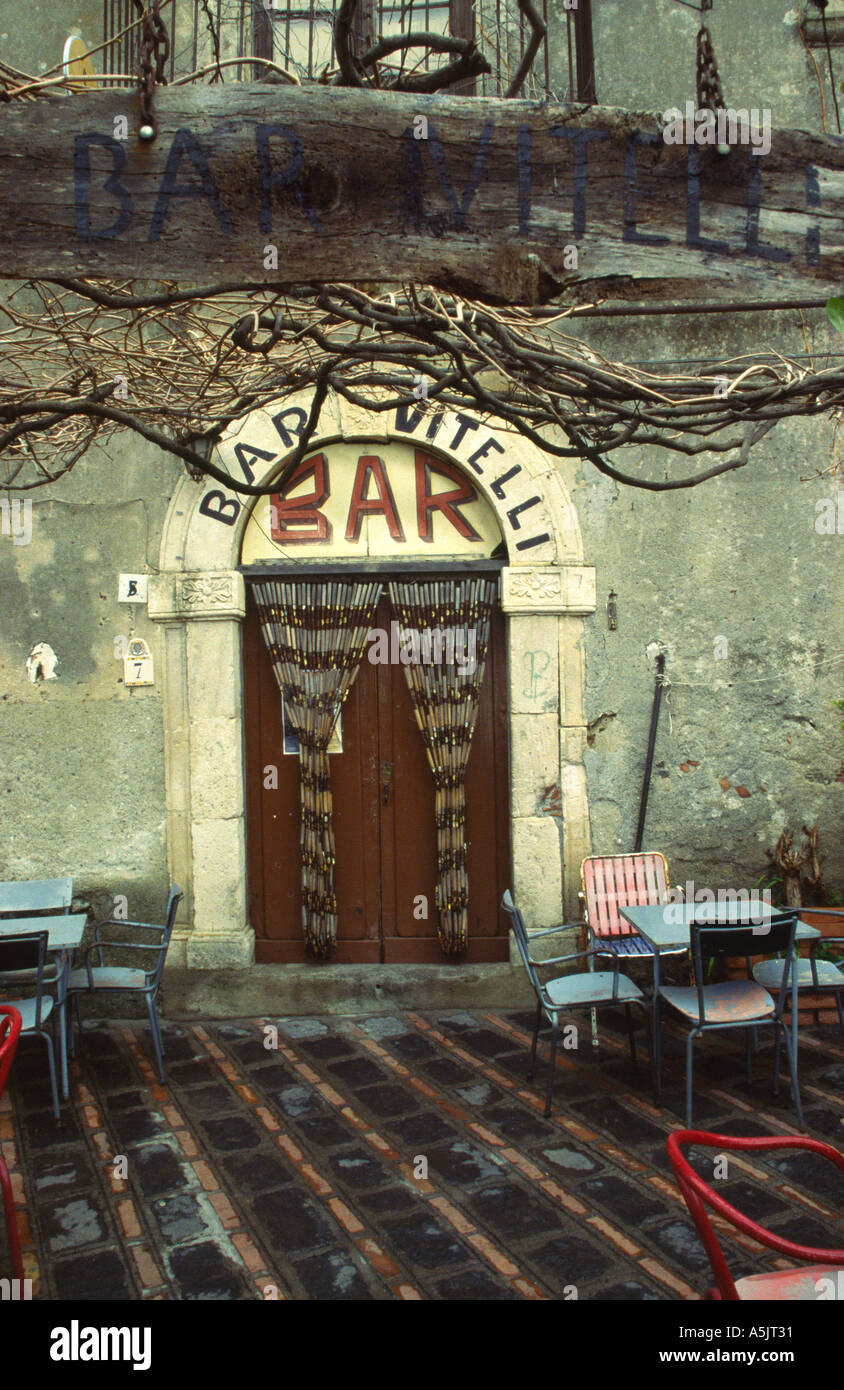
{"points": [[384, 829]]}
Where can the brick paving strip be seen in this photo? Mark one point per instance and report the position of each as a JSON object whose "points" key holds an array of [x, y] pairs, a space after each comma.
{"points": [[829, 1050], [319, 1183], [257, 1265], [553, 1188], [731, 1100], [449, 1209], [29, 1253], [248, 1174]]}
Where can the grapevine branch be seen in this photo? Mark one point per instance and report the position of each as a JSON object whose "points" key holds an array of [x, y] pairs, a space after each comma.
{"points": [[82, 359]]}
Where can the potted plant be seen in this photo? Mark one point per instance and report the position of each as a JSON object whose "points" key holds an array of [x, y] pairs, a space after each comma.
{"points": [[795, 880]]}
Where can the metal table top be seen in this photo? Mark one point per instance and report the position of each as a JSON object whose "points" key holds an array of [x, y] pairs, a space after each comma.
{"points": [[666, 926]]}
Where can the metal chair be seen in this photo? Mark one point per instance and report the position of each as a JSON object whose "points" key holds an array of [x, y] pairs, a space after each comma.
{"points": [[584, 990], [10, 1027], [813, 975], [117, 979], [736, 1003], [27, 952], [610, 882], [822, 1282]]}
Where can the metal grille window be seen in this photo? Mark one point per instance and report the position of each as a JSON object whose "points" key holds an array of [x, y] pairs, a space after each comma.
{"points": [[302, 38], [194, 26], [121, 34], [299, 34]]}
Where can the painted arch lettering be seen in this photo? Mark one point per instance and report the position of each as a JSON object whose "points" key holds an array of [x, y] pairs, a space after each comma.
{"points": [[349, 496]]}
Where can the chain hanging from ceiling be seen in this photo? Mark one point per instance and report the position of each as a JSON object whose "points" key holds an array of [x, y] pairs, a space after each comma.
{"points": [[710, 95], [152, 57]]}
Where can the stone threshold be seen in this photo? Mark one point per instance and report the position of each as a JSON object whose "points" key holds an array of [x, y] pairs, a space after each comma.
{"points": [[276, 990]]}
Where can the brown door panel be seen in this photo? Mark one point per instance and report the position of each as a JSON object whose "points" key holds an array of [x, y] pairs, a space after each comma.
{"points": [[354, 790], [427, 951], [408, 831], [385, 837], [272, 815]]}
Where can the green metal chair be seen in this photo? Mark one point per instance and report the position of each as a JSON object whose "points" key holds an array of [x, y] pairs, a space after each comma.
{"points": [[736, 1003], [813, 976], [586, 989], [120, 979]]}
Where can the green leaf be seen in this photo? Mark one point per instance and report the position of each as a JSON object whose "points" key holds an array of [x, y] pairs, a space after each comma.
{"points": [[835, 313]]}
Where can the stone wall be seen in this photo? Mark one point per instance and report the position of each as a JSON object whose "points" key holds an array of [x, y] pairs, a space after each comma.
{"points": [[739, 580], [81, 756], [645, 57]]}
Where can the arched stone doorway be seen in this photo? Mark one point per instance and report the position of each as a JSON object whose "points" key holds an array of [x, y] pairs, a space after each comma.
{"points": [[199, 598]]}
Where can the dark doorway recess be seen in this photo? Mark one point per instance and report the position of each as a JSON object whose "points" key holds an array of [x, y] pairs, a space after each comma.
{"points": [[383, 816]]}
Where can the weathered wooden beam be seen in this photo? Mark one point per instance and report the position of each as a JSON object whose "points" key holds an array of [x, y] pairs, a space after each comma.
{"points": [[491, 200]]}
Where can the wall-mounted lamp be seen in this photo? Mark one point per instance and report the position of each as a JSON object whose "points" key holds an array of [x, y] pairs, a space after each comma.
{"points": [[612, 612]]}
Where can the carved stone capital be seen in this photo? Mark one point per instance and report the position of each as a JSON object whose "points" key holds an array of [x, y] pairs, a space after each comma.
{"points": [[548, 589], [204, 594]]}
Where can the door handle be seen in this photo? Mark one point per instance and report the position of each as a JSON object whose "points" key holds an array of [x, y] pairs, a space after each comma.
{"points": [[386, 778]]}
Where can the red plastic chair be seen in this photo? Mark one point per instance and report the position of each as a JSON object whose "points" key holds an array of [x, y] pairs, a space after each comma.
{"points": [[800, 1283], [10, 1027]]}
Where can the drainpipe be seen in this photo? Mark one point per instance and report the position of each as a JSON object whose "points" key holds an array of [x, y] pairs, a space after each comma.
{"points": [[649, 761]]}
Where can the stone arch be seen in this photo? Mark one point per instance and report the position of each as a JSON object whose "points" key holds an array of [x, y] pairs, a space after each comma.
{"points": [[199, 598]]}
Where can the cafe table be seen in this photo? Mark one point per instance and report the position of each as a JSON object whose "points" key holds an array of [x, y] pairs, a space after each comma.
{"points": [[667, 926], [64, 934]]}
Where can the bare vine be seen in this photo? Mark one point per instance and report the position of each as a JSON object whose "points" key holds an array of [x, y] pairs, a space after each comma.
{"points": [[81, 359]]}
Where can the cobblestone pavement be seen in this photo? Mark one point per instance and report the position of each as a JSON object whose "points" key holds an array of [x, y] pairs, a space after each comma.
{"points": [[297, 1172]]}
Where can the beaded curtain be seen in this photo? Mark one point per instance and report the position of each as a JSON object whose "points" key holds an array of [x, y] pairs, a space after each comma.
{"points": [[316, 636], [445, 697]]}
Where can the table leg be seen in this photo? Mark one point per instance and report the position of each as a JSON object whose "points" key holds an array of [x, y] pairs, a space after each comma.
{"points": [[657, 1046], [61, 1004], [794, 1014], [63, 1045]]}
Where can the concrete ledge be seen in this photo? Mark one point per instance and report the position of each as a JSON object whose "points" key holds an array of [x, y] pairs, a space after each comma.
{"points": [[275, 990]]}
